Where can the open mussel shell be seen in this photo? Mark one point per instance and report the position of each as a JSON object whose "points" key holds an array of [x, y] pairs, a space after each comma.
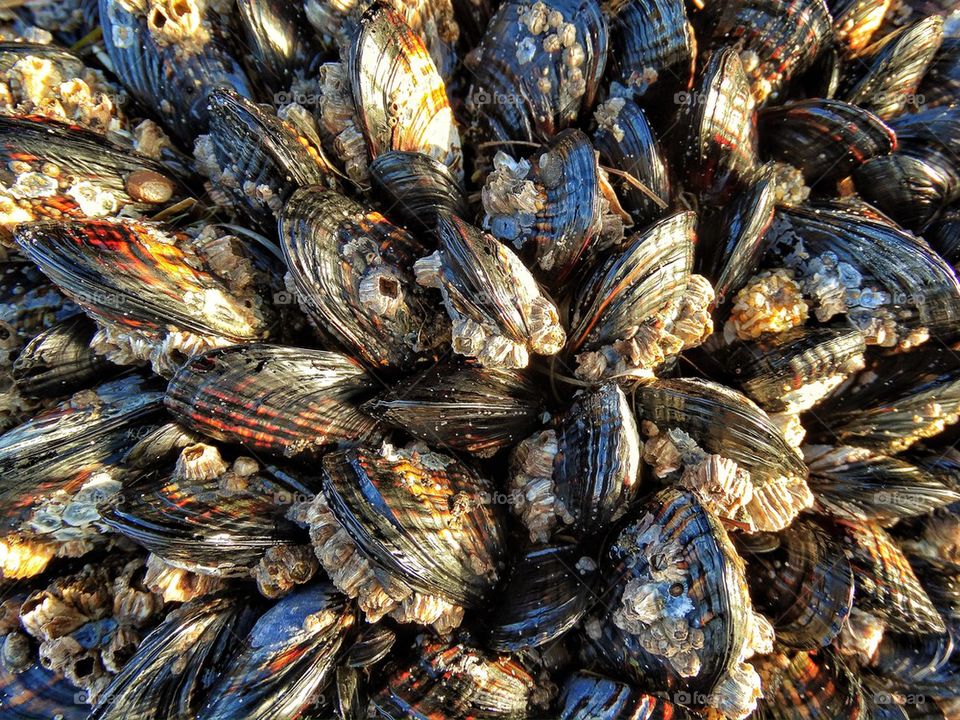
{"points": [[858, 484], [498, 312], [886, 585], [679, 615], [462, 407], [717, 134], [826, 139], [557, 226], [416, 188], [55, 170], [37, 693], [137, 275], [454, 680], [279, 399], [279, 38], [627, 144], [791, 371], [170, 57], [721, 421], [351, 269], [537, 67], [256, 158], [640, 287], [652, 50], [59, 360], [216, 524], [175, 665], [809, 684], [69, 451], [888, 283], [885, 76], [776, 39], [422, 520], [288, 659], [399, 95], [548, 591], [804, 585], [582, 474], [586, 696]]}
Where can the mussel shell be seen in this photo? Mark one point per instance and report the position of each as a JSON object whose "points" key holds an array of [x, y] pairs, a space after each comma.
{"points": [[652, 49], [279, 38], [399, 95], [731, 245], [59, 360], [894, 67], [788, 371], [175, 665], [886, 585], [856, 21], [632, 286], [335, 249], [721, 421], [826, 139], [861, 485], [432, 527], [805, 585], [941, 85], [39, 694], [544, 597], [274, 398], [802, 685], [454, 680], [94, 176], [596, 471], [719, 123], [60, 449], [591, 697], [462, 407], [679, 552], [172, 79], [288, 658], [137, 275], [924, 291], [533, 94], [416, 188], [627, 143], [570, 218], [777, 39], [260, 150], [202, 528]]}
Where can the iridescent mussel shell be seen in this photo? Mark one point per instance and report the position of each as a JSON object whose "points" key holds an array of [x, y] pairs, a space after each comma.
{"points": [[581, 474], [416, 188], [462, 407], [277, 399], [351, 269], [803, 684], [280, 40], [592, 697]]}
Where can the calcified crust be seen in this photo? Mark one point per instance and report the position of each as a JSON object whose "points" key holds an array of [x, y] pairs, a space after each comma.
{"points": [[23, 557], [511, 200], [283, 567], [175, 584], [770, 302], [940, 539], [532, 492], [37, 85], [679, 326], [861, 636], [789, 424], [169, 22], [838, 288], [106, 593], [339, 122], [722, 485], [354, 576]]}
